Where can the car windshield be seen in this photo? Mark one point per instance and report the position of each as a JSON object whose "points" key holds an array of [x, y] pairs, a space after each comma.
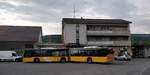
{"points": [[14, 54]]}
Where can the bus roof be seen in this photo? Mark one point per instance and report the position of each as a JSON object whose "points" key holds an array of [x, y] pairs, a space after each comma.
{"points": [[47, 49], [98, 48]]}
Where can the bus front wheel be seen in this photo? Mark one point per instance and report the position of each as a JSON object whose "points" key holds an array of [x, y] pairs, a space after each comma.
{"points": [[36, 60], [89, 60], [63, 60]]}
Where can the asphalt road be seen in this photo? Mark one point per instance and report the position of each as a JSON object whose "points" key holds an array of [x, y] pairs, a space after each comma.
{"points": [[134, 67]]}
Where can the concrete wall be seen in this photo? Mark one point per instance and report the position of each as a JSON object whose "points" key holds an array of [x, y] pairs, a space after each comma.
{"points": [[69, 33], [83, 34], [146, 51], [40, 38]]}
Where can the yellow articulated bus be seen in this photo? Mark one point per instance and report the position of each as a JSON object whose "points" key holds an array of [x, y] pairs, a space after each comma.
{"points": [[89, 55], [46, 55]]}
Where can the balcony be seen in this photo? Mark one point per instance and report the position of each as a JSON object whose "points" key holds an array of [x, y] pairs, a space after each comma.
{"points": [[122, 43], [110, 33], [110, 43], [100, 43]]}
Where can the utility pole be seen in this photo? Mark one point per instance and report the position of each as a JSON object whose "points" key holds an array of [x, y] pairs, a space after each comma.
{"points": [[74, 11]]}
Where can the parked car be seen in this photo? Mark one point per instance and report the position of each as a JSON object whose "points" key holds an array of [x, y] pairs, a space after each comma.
{"points": [[125, 56], [9, 56]]}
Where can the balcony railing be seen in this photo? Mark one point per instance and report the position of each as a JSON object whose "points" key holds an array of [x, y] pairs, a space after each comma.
{"points": [[123, 33], [122, 43], [110, 43], [99, 43]]}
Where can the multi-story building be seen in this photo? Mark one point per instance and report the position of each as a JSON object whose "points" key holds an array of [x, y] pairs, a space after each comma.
{"points": [[96, 32]]}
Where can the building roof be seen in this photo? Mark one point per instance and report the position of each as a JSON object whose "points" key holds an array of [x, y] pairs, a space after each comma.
{"points": [[20, 33], [94, 21]]}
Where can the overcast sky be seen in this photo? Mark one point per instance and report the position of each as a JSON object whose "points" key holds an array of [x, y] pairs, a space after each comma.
{"points": [[49, 13]]}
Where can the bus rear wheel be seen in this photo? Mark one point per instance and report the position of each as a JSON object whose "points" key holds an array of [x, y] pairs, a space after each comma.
{"points": [[36, 60], [89, 60], [63, 60]]}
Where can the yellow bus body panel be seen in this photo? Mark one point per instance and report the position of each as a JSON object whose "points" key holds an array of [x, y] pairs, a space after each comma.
{"points": [[49, 59], [78, 58], [44, 59], [28, 59], [94, 59], [101, 59], [52, 59]]}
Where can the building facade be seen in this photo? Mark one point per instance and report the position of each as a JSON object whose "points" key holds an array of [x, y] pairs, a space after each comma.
{"points": [[19, 37], [96, 32], [51, 41], [140, 45]]}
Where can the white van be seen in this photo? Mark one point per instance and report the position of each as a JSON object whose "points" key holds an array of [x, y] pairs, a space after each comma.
{"points": [[8, 56]]}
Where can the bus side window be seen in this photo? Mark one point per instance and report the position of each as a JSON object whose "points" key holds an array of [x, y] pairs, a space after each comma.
{"points": [[43, 53], [104, 52], [55, 53], [91, 52], [74, 52], [37, 53], [28, 53], [62, 53], [49, 53], [83, 52], [96, 52]]}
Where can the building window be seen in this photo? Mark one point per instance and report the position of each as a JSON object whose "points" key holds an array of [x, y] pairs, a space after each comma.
{"points": [[120, 28], [105, 28], [29, 46], [77, 34], [98, 28]]}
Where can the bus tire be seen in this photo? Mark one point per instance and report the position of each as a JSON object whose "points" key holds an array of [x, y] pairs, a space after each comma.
{"points": [[63, 60], [89, 60], [36, 60]]}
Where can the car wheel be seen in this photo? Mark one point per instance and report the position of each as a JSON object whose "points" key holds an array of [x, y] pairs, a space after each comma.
{"points": [[129, 59], [124, 59]]}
